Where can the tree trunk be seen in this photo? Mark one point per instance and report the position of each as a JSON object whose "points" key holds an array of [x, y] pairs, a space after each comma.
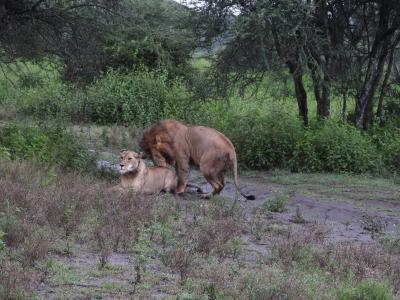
{"points": [[384, 84], [301, 96], [344, 107], [379, 52], [322, 93], [386, 79], [297, 75], [320, 57]]}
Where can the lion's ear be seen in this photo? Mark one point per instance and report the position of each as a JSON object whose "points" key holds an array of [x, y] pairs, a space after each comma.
{"points": [[141, 155], [123, 150], [158, 139]]}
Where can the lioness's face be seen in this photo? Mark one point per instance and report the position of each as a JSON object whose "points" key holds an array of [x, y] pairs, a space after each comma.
{"points": [[129, 161]]}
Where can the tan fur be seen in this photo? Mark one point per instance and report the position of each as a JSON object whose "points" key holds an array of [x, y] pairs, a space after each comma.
{"points": [[171, 142], [139, 178]]}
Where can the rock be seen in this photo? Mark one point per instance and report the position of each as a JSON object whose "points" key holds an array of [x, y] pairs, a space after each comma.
{"points": [[103, 165]]}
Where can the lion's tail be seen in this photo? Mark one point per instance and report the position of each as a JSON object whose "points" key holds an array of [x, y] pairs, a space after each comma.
{"points": [[235, 177]]}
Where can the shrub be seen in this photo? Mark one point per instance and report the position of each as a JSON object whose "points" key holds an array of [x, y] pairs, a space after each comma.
{"points": [[387, 141], [53, 99], [50, 145], [137, 98], [262, 141], [366, 290], [272, 285], [335, 147], [276, 204]]}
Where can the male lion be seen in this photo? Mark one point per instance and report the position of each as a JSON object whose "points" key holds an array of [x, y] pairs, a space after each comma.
{"points": [[172, 142], [135, 175]]}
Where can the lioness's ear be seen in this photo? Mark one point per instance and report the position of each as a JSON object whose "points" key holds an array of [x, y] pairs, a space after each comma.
{"points": [[123, 150], [142, 155]]}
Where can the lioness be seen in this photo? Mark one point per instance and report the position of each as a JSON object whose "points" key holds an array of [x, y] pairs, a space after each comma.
{"points": [[172, 142], [135, 175]]}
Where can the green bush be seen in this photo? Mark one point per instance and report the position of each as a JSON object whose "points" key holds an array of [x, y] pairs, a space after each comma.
{"points": [[263, 141], [138, 98], [50, 145], [335, 147], [53, 100], [366, 290], [266, 132], [276, 204], [276, 139], [387, 140]]}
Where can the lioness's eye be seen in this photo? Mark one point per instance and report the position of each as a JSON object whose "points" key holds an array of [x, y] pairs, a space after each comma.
{"points": [[129, 158], [121, 157]]}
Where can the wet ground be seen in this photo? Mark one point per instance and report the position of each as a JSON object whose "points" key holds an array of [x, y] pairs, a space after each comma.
{"points": [[345, 219]]}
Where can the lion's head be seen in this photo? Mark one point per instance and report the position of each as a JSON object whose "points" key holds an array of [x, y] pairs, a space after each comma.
{"points": [[157, 143], [129, 161]]}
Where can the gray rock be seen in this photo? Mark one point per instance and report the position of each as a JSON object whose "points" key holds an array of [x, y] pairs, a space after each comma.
{"points": [[103, 165]]}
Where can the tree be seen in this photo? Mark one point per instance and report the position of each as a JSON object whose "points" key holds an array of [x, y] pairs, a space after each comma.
{"points": [[154, 33], [269, 35], [386, 36], [342, 44], [70, 31], [88, 36]]}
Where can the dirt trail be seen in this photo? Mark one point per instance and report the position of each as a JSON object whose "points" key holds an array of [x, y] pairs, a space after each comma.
{"points": [[345, 220]]}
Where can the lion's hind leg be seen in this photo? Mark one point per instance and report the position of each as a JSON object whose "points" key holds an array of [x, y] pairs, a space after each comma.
{"points": [[217, 182]]}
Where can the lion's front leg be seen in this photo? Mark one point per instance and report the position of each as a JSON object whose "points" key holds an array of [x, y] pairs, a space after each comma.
{"points": [[182, 171]]}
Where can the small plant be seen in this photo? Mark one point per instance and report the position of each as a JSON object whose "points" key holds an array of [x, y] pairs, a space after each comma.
{"points": [[298, 217], [140, 250], [276, 204], [180, 259], [257, 226], [5, 153], [104, 245], [237, 246], [366, 290], [8, 223], [374, 224], [391, 243]]}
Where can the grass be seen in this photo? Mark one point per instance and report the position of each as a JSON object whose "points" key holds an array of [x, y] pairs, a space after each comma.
{"points": [[338, 186], [276, 204], [189, 248], [201, 64]]}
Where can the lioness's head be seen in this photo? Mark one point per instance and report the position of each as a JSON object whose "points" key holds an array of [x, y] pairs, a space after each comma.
{"points": [[129, 161]]}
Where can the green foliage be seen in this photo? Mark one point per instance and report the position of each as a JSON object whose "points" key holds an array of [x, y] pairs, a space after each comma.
{"points": [[276, 204], [263, 125], [5, 153], [263, 141], [50, 145], [335, 147], [8, 223], [53, 100], [138, 98], [388, 142], [366, 290], [391, 243], [156, 34], [277, 139]]}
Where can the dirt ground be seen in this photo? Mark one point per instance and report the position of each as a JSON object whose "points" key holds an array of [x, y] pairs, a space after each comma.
{"points": [[341, 213], [346, 217]]}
